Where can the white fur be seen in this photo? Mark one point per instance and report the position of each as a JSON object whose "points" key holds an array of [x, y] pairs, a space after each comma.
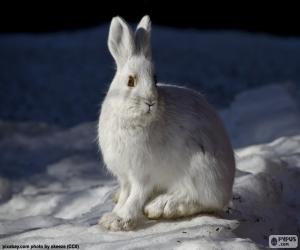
{"points": [[171, 160]]}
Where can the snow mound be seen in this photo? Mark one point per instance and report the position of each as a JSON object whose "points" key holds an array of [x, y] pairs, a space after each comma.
{"points": [[264, 115], [60, 189]]}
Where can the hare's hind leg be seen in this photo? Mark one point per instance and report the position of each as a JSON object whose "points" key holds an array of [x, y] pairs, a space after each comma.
{"points": [[185, 198], [171, 206]]}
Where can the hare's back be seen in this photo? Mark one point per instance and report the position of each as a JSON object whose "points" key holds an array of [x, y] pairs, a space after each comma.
{"points": [[188, 113], [184, 101]]}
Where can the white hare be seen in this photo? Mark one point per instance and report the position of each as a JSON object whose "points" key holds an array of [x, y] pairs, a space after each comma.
{"points": [[165, 144]]}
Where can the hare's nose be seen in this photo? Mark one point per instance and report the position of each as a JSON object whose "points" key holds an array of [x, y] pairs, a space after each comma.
{"points": [[150, 104]]}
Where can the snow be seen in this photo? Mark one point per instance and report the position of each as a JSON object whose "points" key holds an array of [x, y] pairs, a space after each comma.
{"points": [[257, 117], [54, 188]]}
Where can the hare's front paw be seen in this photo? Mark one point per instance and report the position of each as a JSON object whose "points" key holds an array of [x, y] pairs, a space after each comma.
{"points": [[170, 206], [116, 196], [113, 222]]}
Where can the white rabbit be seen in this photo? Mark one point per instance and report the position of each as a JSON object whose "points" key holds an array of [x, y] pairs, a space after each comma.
{"points": [[165, 144]]}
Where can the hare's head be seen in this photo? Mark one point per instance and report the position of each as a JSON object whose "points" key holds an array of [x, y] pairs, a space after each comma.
{"points": [[134, 85]]}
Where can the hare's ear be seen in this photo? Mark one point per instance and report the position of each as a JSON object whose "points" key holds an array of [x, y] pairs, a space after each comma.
{"points": [[120, 41], [143, 36]]}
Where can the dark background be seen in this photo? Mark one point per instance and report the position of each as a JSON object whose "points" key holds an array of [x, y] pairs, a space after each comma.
{"points": [[55, 66], [280, 19]]}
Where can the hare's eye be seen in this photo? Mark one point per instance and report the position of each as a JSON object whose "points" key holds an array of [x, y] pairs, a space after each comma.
{"points": [[131, 81]]}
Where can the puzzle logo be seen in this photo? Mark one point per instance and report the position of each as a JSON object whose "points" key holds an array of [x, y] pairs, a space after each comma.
{"points": [[283, 241]]}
